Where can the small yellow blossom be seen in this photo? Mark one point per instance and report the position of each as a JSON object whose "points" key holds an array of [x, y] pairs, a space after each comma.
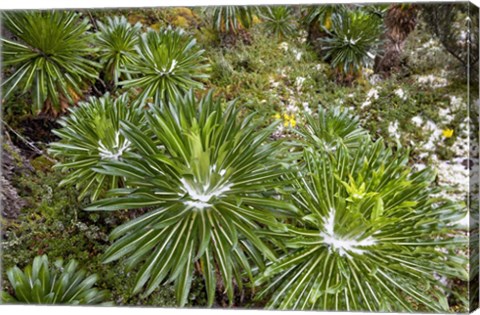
{"points": [[288, 120], [447, 133], [328, 22], [368, 70]]}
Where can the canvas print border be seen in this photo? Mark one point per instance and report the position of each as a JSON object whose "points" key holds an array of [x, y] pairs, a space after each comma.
{"points": [[297, 157]]}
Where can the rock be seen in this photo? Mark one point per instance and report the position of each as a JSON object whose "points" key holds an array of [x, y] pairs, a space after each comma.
{"points": [[10, 200], [230, 39], [13, 164]]}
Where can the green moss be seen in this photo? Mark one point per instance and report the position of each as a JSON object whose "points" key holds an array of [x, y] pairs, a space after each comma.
{"points": [[54, 223], [80, 241], [13, 153], [186, 18], [42, 163]]}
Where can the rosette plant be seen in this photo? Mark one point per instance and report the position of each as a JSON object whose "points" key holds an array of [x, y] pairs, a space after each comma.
{"points": [[231, 19], [352, 41], [207, 179], [328, 129], [40, 283], [169, 63], [50, 59], [317, 18], [279, 21], [89, 135], [368, 237], [320, 16], [116, 40]]}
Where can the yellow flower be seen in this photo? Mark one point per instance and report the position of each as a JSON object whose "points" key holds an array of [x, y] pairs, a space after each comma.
{"points": [[368, 70], [277, 116], [286, 117], [447, 133], [285, 123], [328, 22], [293, 122]]}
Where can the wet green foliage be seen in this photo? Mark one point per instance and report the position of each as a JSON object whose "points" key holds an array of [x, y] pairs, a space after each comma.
{"points": [[287, 104]]}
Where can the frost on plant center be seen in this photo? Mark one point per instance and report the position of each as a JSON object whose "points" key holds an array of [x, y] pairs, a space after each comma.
{"points": [[116, 151], [201, 195], [341, 244], [285, 157]]}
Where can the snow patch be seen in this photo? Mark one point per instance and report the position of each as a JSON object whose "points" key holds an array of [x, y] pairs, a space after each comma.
{"points": [[299, 82], [393, 130], [372, 94], [432, 81], [417, 120], [401, 94]]}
